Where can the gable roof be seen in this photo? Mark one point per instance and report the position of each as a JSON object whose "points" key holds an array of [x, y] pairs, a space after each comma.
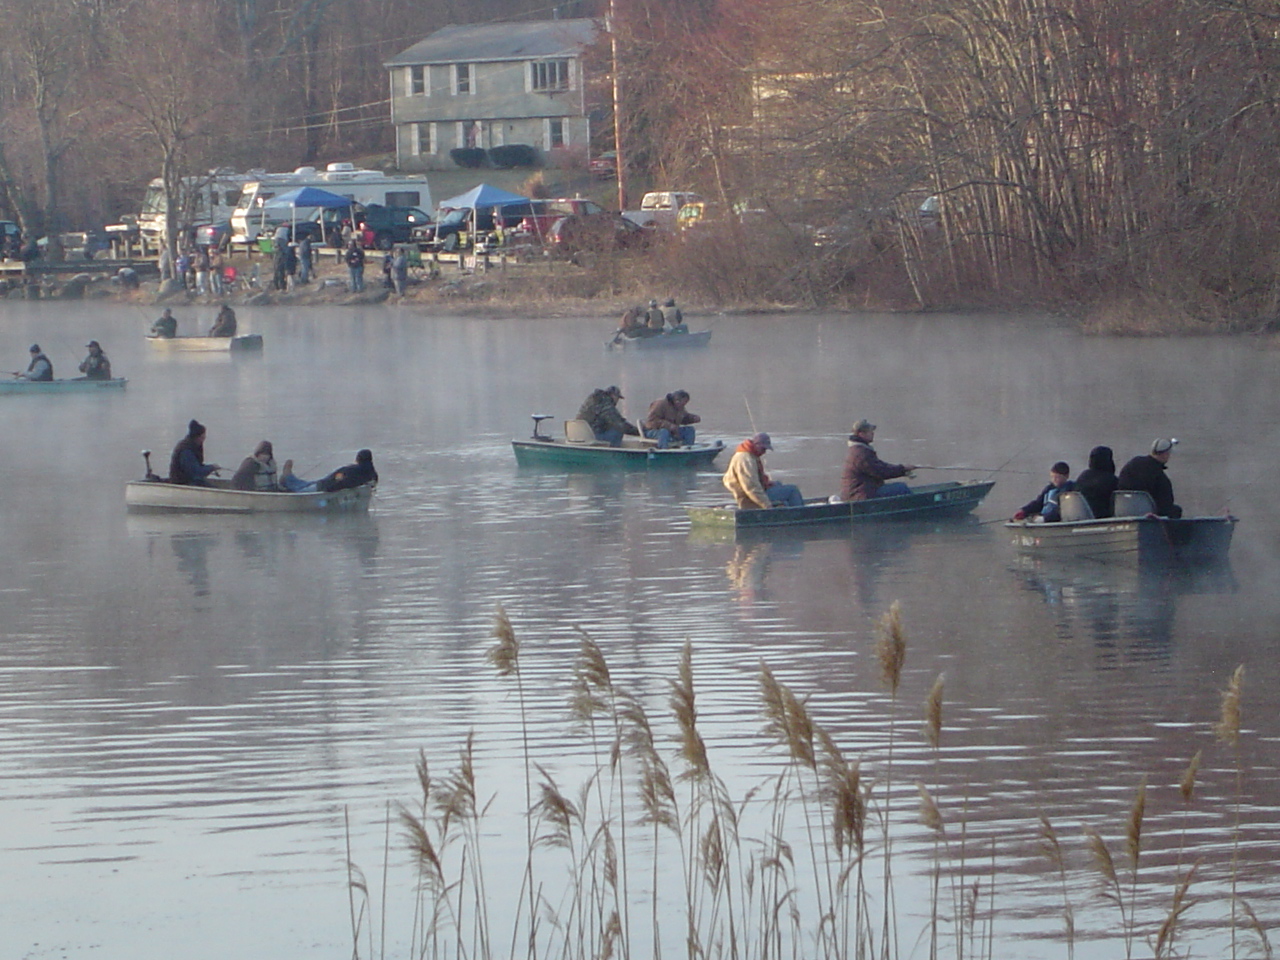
{"points": [[490, 42]]}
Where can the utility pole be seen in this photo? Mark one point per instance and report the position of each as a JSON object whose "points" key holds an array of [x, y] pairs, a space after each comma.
{"points": [[619, 158]]}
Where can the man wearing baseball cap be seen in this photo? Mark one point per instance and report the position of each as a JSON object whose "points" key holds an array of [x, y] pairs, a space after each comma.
{"points": [[751, 487], [865, 473], [1148, 473], [96, 366], [600, 410]]}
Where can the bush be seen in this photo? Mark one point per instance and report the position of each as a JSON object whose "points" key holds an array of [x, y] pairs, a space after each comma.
{"points": [[469, 157], [513, 155]]}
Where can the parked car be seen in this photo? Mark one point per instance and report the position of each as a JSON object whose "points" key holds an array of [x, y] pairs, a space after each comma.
{"points": [[605, 166], [537, 224], [595, 233], [444, 234], [384, 227], [214, 235], [659, 208]]}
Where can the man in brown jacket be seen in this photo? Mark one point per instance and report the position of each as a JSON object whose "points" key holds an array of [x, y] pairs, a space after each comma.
{"points": [[865, 473], [668, 420]]}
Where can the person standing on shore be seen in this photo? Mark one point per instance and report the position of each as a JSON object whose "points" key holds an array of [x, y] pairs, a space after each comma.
{"points": [[355, 267]]}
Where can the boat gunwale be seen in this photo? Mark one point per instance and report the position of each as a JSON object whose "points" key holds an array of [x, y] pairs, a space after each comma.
{"points": [[821, 511], [223, 499]]}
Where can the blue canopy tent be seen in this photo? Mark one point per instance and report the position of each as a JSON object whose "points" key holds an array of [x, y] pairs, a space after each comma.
{"points": [[309, 198], [480, 197]]}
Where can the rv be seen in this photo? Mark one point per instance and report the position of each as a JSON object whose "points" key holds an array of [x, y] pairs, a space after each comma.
{"points": [[205, 199], [253, 217]]}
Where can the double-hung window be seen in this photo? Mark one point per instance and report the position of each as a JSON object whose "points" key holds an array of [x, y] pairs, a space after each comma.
{"points": [[462, 79]]}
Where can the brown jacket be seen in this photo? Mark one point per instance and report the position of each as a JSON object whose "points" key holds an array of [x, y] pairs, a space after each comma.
{"points": [[665, 413]]}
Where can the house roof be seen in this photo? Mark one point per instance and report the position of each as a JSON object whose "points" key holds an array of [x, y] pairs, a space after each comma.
{"points": [[491, 42]]}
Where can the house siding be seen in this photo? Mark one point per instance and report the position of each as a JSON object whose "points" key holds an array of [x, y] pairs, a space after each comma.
{"points": [[501, 100]]}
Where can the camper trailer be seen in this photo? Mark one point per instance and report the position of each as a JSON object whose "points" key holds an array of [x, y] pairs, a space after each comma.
{"points": [[204, 199], [253, 217]]}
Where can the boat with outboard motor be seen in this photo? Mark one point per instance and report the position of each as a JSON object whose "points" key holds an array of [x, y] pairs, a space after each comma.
{"points": [[580, 448], [1133, 534], [248, 341]]}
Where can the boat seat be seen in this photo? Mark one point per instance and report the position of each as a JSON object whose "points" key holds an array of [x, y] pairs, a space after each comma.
{"points": [[1073, 506], [630, 441], [579, 431], [1132, 503]]}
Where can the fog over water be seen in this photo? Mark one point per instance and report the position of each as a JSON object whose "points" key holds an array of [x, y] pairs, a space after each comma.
{"points": [[192, 708]]}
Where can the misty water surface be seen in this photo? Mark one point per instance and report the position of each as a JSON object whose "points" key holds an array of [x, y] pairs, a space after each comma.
{"points": [[191, 709]]}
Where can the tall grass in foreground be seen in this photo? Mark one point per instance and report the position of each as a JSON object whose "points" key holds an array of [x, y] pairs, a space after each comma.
{"points": [[816, 884]]}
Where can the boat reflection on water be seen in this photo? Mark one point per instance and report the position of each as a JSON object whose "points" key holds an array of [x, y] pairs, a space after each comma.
{"points": [[262, 541], [864, 553], [1128, 611]]}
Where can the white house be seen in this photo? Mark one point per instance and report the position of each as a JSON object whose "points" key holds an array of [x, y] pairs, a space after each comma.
{"points": [[491, 85]]}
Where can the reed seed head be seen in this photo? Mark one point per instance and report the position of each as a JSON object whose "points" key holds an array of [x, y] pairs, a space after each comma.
{"points": [[930, 815], [1227, 728], [891, 647], [1102, 861], [933, 713], [1133, 829], [505, 654], [692, 747], [1187, 785]]}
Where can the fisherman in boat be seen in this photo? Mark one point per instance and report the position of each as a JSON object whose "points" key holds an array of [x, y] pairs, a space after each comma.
{"points": [[675, 317], [344, 478], [630, 324], [668, 420], [600, 410], [224, 324], [865, 474], [186, 464], [40, 367], [752, 488], [1047, 507], [654, 319], [1098, 481], [257, 472], [1148, 473], [166, 325], [96, 366]]}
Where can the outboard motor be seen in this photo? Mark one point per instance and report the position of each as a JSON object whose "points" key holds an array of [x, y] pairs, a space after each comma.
{"points": [[146, 456]]}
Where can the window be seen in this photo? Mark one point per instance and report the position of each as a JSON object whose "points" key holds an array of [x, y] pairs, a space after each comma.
{"points": [[417, 81], [462, 78], [546, 75], [402, 198], [422, 139], [555, 133]]}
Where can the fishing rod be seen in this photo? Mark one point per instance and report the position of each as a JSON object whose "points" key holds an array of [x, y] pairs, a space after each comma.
{"points": [[923, 466]]}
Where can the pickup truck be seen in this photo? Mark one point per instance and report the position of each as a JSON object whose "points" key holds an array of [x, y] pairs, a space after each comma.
{"points": [[658, 208]]}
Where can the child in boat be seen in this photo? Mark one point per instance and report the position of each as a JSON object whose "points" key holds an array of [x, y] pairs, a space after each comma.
{"points": [[1046, 508]]}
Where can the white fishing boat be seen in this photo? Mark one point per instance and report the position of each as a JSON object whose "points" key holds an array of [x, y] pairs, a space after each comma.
{"points": [[220, 497], [75, 385], [249, 341]]}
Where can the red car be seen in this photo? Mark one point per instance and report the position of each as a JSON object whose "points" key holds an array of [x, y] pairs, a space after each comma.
{"points": [[545, 213], [604, 167], [595, 233]]}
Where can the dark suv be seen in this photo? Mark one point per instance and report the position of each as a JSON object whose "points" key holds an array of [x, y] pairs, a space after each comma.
{"points": [[386, 226], [444, 233]]}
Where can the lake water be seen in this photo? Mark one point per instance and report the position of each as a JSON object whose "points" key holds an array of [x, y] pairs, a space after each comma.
{"points": [[200, 716]]}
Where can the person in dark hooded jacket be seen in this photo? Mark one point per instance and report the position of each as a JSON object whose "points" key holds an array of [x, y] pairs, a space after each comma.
{"points": [[187, 465], [1098, 481]]}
